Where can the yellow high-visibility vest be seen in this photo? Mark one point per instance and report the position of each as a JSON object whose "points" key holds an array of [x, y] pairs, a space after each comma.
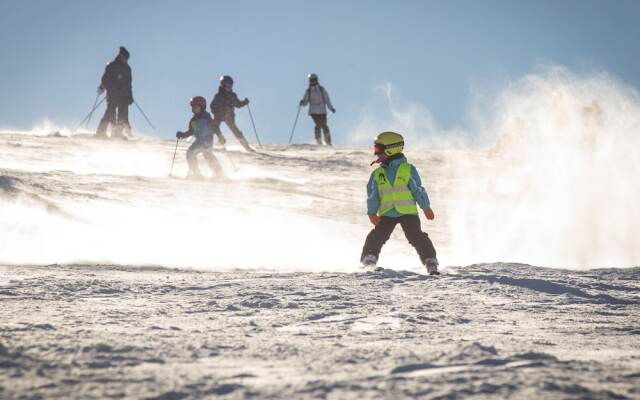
{"points": [[398, 195]]}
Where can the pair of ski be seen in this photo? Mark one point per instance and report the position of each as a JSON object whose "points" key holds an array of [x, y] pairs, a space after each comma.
{"points": [[122, 138], [202, 178], [222, 178], [376, 268]]}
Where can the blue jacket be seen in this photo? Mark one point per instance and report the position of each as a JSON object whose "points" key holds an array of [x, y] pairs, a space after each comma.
{"points": [[415, 186], [201, 126]]}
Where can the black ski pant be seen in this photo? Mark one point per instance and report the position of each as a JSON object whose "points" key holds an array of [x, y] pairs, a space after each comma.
{"points": [[410, 225], [321, 125], [231, 123], [117, 114]]}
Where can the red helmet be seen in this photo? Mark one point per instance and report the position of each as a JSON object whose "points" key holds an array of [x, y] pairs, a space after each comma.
{"points": [[199, 101]]}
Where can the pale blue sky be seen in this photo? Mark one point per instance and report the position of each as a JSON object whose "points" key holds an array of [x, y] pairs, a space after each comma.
{"points": [[54, 52]]}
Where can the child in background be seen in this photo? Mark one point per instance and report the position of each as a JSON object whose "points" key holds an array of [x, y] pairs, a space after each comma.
{"points": [[223, 108], [201, 126]]}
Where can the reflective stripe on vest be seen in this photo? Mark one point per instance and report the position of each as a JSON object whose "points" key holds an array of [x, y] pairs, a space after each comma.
{"points": [[397, 196]]}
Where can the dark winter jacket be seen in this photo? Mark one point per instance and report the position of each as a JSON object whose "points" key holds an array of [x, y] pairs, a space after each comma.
{"points": [[201, 126], [224, 103], [117, 81]]}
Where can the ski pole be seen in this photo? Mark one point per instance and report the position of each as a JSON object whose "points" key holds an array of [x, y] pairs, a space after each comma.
{"points": [[174, 158], [92, 109], [294, 124], [233, 163], [86, 119], [254, 125], [144, 115]]}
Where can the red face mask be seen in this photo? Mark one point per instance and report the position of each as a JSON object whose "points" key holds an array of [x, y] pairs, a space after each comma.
{"points": [[378, 150]]}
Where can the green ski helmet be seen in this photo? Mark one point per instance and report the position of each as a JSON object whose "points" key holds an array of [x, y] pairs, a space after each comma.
{"points": [[388, 144]]}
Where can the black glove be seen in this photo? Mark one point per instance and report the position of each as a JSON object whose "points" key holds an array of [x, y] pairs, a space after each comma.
{"points": [[333, 110], [301, 103], [131, 100], [179, 135], [246, 101]]}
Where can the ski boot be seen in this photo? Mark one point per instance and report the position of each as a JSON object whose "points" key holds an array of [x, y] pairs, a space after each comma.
{"points": [[369, 262], [327, 138], [246, 145], [117, 134], [432, 266], [221, 178], [101, 134], [195, 175]]}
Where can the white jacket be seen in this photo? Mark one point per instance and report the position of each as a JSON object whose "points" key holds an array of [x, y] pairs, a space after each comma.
{"points": [[318, 99]]}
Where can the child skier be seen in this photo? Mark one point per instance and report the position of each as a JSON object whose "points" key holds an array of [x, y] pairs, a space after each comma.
{"points": [[223, 108], [393, 190], [201, 126]]}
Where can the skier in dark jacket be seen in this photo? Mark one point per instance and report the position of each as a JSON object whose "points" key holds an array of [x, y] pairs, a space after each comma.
{"points": [[201, 126], [116, 80], [223, 108]]}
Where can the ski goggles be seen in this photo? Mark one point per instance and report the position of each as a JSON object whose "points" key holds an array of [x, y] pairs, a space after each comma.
{"points": [[379, 148]]}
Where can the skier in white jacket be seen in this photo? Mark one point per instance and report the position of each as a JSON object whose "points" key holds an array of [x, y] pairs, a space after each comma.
{"points": [[318, 99]]}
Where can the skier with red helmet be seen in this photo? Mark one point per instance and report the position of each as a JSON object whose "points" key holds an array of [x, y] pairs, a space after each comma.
{"points": [[223, 108], [201, 126]]}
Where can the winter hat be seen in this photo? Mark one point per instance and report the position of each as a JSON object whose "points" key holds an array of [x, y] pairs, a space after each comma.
{"points": [[123, 52]]}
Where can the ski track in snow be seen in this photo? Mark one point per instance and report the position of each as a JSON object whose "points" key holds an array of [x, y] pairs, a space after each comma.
{"points": [[168, 321]]}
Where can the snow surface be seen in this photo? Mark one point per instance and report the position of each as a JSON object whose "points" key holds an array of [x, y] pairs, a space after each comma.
{"points": [[483, 331], [119, 281]]}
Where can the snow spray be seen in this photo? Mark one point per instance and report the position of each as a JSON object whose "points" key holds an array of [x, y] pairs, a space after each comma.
{"points": [[559, 183]]}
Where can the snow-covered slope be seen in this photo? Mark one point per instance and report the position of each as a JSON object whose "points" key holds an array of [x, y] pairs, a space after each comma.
{"points": [[484, 332], [81, 200], [119, 281]]}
